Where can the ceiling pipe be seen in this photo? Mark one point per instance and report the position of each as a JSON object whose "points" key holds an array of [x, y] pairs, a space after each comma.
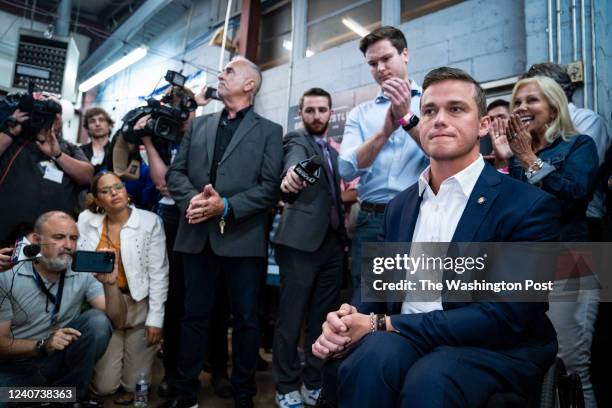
{"points": [[120, 36], [62, 23]]}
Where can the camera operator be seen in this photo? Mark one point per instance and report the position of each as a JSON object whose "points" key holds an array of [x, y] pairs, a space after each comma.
{"points": [[39, 171], [45, 340]]}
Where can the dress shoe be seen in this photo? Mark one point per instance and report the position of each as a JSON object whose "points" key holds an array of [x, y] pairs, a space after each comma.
{"points": [[166, 389], [243, 401], [222, 386]]}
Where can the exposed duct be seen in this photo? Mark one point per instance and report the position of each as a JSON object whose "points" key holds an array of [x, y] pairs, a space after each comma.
{"points": [[124, 33], [62, 24]]}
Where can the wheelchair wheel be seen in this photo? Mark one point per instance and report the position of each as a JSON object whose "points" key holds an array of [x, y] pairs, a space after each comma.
{"points": [[550, 392]]}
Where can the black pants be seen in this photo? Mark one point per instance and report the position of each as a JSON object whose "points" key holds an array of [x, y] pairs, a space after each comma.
{"points": [[174, 303], [243, 278], [71, 367], [601, 354], [174, 306], [310, 288]]}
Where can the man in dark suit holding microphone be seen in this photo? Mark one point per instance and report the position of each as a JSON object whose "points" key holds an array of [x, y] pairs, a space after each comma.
{"points": [[224, 179], [310, 241]]}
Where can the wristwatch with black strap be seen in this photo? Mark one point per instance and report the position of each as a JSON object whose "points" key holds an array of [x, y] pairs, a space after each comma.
{"points": [[409, 121], [41, 345]]}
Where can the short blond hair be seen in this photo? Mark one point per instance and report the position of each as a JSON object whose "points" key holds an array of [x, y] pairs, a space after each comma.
{"points": [[562, 124]]}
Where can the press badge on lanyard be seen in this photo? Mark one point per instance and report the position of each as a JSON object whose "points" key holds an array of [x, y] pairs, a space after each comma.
{"points": [[55, 300]]}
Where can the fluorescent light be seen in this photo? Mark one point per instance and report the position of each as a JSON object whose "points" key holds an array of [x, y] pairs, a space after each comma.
{"points": [[355, 27], [111, 70], [289, 46]]}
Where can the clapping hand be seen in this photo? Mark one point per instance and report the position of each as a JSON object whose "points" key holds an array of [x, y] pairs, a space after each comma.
{"points": [[499, 139]]}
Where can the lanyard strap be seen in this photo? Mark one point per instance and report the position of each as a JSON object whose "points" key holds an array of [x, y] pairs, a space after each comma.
{"points": [[55, 299]]}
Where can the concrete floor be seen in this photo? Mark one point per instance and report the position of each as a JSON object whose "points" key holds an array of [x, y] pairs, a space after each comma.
{"points": [[207, 399]]}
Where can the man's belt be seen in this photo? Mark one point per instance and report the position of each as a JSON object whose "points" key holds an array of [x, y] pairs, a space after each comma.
{"points": [[373, 207]]}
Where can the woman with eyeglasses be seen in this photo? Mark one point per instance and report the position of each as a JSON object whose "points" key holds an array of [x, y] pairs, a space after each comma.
{"points": [[545, 150], [137, 237]]}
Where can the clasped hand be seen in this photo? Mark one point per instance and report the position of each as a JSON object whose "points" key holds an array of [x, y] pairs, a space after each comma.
{"points": [[205, 205], [399, 93], [341, 330]]}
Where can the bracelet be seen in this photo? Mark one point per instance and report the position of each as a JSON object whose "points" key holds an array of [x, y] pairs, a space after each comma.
{"points": [[225, 207], [372, 322], [406, 119], [9, 134], [409, 121], [381, 322], [534, 168], [56, 158]]}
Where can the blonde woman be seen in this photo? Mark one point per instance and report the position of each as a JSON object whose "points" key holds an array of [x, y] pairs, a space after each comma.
{"points": [[137, 236], [545, 149]]}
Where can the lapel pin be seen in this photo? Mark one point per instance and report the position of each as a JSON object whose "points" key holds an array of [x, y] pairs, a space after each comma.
{"points": [[481, 200]]}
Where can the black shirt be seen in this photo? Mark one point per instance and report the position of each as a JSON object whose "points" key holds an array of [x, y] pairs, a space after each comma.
{"points": [[26, 193], [225, 132], [108, 156]]}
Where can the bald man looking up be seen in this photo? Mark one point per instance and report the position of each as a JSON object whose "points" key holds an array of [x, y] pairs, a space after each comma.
{"points": [[224, 179]]}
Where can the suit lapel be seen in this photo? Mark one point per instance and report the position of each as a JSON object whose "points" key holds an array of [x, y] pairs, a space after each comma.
{"points": [[249, 122], [478, 205], [211, 134], [410, 213], [334, 155]]}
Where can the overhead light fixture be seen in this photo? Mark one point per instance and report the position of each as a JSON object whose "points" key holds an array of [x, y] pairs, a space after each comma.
{"points": [[355, 27], [289, 46], [111, 70]]}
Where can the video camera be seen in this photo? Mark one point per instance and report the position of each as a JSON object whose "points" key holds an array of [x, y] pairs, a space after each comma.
{"points": [[41, 112], [166, 114]]}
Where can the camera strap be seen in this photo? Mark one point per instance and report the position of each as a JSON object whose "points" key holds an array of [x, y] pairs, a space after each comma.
{"points": [[56, 300], [12, 160]]}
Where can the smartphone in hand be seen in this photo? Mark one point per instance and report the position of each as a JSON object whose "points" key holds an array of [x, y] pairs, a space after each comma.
{"points": [[93, 261]]}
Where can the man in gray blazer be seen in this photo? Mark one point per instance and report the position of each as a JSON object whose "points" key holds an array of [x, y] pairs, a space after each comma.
{"points": [[310, 251], [224, 179]]}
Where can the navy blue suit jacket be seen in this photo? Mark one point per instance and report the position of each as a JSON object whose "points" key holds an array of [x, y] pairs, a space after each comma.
{"points": [[513, 211]]}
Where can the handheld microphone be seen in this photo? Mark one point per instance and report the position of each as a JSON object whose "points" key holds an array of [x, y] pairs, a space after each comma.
{"points": [[308, 170], [31, 250], [25, 251]]}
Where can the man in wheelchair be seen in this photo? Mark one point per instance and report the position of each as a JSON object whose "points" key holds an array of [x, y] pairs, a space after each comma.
{"points": [[448, 354]]}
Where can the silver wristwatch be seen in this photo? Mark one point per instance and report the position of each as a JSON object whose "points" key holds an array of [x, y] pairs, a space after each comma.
{"points": [[534, 168]]}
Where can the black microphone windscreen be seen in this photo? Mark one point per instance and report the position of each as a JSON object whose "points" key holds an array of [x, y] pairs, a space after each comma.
{"points": [[313, 164], [31, 250]]}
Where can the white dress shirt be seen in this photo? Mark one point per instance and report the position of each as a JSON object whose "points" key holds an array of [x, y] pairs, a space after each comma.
{"points": [[399, 162], [439, 215]]}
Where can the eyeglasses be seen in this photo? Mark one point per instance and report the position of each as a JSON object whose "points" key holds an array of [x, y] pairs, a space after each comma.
{"points": [[107, 190]]}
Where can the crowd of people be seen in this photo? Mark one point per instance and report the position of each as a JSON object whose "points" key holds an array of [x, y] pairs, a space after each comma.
{"points": [[190, 228]]}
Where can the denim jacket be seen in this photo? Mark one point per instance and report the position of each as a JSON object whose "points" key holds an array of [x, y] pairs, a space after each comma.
{"points": [[570, 174]]}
